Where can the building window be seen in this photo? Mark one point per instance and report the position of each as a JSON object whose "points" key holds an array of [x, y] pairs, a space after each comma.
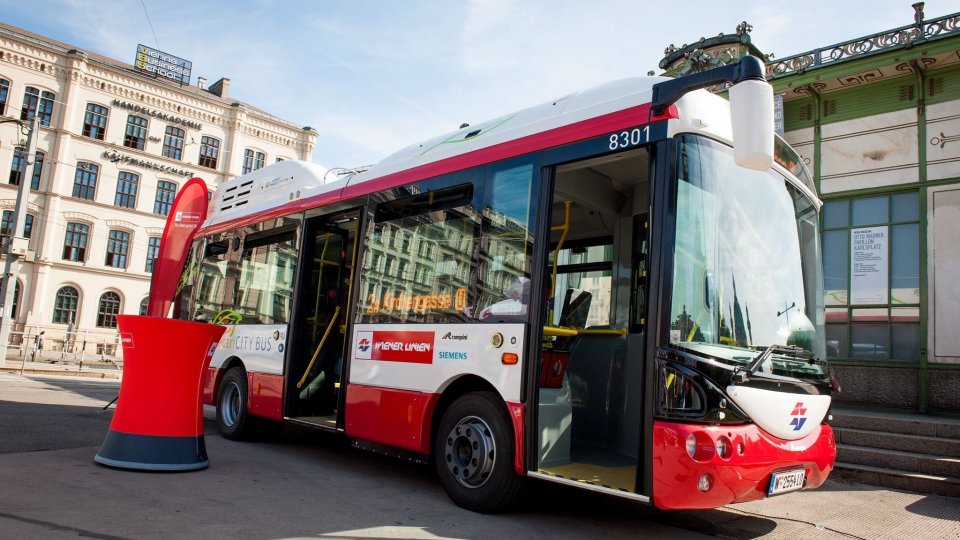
{"points": [[108, 309], [143, 305], [28, 226], [166, 192], [19, 165], [85, 181], [173, 142], [95, 121], [4, 91], [247, 161], [253, 160], [14, 310], [65, 306], [6, 229], [37, 170], [37, 103], [127, 183], [871, 274], [136, 134], [118, 243], [209, 152], [75, 242], [153, 250]]}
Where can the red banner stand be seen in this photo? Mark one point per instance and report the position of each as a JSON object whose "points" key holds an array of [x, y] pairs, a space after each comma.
{"points": [[158, 422]]}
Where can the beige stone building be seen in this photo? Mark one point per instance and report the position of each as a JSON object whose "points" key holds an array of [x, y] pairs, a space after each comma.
{"points": [[115, 145]]}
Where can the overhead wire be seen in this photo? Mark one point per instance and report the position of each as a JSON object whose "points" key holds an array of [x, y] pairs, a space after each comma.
{"points": [[149, 22]]}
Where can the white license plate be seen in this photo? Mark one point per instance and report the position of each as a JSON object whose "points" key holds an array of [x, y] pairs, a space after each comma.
{"points": [[786, 481]]}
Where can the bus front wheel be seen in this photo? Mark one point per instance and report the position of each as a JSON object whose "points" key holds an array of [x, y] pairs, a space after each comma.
{"points": [[474, 453], [233, 421]]}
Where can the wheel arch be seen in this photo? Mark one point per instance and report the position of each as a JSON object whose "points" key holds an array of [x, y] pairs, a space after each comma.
{"points": [[455, 388], [227, 365]]}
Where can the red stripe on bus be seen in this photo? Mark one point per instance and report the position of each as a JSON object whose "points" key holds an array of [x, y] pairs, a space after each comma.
{"points": [[264, 391], [266, 395], [516, 415], [630, 117], [578, 131], [389, 416]]}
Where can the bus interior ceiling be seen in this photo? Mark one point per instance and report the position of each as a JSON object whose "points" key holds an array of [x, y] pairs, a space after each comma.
{"points": [[602, 190], [594, 436]]}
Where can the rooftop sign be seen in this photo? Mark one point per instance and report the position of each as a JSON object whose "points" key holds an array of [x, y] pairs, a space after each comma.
{"points": [[162, 64]]}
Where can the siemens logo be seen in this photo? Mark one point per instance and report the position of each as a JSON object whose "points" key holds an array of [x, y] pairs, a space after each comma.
{"points": [[447, 355]]}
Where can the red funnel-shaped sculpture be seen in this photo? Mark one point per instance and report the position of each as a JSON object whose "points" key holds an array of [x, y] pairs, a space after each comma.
{"points": [[158, 422]]}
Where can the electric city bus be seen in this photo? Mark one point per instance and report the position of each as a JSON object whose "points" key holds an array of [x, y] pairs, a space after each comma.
{"points": [[618, 290]]}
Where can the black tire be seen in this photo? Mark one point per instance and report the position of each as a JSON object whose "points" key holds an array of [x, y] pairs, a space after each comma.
{"points": [[233, 420], [474, 453]]}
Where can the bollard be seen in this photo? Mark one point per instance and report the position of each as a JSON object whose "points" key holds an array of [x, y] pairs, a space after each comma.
{"points": [[158, 421]]}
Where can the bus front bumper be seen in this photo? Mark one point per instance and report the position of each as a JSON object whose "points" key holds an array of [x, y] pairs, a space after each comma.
{"points": [[731, 464]]}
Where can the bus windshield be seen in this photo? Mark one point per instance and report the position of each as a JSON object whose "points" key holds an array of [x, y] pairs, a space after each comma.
{"points": [[747, 265]]}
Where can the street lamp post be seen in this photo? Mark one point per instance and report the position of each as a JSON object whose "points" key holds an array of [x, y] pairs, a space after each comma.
{"points": [[17, 246]]}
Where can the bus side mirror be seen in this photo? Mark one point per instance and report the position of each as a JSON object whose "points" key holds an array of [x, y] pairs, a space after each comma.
{"points": [[751, 114]]}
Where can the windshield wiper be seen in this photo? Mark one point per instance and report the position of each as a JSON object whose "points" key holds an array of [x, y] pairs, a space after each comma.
{"points": [[765, 354]]}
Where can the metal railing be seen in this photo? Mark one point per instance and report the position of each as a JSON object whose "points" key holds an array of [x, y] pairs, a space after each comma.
{"points": [[905, 36], [90, 347]]}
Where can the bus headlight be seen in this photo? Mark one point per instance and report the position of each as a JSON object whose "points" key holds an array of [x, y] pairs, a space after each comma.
{"points": [[724, 448], [692, 445], [700, 447]]}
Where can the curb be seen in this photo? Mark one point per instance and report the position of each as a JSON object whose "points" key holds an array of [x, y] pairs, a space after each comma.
{"points": [[62, 372]]}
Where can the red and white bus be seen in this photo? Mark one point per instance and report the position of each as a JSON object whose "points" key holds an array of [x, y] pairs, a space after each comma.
{"points": [[618, 290]]}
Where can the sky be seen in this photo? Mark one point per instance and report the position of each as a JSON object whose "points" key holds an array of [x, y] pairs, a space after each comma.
{"points": [[373, 77]]}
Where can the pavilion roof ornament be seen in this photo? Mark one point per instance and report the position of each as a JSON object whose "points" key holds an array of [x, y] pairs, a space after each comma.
{"points": [[709, 53]]}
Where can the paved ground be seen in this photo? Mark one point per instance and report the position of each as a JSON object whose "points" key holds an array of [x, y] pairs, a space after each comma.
{"points": [[394, 498]]}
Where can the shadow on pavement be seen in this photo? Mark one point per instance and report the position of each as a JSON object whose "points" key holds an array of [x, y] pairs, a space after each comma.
{"points": [[28, 427], [98, 389], [934, 507], [591, 511]]}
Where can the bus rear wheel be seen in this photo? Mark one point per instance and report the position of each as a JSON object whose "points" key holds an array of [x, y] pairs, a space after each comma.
{"points": [[474, 453], [233, 421]]}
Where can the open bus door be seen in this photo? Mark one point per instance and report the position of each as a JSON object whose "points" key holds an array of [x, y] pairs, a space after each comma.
{"points": [[591, 371], [315, 366]]}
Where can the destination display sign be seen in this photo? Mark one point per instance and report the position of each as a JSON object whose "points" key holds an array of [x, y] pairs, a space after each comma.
{"points": [[162, 64]]}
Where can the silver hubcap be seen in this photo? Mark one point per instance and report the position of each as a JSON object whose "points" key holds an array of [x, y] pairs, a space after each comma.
{"points": [[230, 404], [470, 452]]}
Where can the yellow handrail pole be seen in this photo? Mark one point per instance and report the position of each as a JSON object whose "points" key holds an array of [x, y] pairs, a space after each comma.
{"points": [[559, 331], [333, 320], [622, 332]]}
